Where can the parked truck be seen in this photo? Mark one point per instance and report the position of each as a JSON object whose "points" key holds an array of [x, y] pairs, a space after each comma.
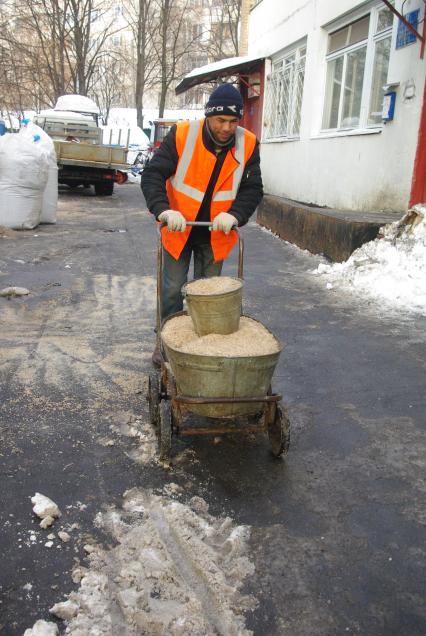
{"points": [[83, 158]]}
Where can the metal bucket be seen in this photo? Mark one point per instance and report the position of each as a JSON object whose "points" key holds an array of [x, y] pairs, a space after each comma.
{"points": [[206, 376], [215, 313]]}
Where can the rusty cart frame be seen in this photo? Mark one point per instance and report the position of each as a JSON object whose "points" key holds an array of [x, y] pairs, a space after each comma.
{"points": [[169, 409]]}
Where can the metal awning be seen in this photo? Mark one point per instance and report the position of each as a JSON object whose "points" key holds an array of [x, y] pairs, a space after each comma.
{"points": [[224, 68]]}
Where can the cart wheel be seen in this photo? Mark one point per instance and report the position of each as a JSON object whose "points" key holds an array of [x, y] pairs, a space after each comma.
{"points": [[165, 430], [279, 432], [154, 398]]}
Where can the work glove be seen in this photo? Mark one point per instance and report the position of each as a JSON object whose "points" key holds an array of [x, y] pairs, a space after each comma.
{"points": [[224, 222], [176, 222]]}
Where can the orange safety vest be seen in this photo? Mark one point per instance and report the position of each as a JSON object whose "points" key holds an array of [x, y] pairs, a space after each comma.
{"points": [[187, 187]]}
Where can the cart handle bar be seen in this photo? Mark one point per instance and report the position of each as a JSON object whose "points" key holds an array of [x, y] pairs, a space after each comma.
{"points": [[196, 224], [226, 400]]}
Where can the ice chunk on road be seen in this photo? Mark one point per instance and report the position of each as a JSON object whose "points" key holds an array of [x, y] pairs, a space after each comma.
{"points": [[66, 610], [46, 522], [42, 628], [14, 291], [44, 507]]}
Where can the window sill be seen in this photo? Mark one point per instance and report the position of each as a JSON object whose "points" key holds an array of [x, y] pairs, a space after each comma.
{"points": [[279, 140], [348, 133]]}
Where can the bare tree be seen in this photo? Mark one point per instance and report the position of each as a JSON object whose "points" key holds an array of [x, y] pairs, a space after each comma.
{"points": [[87, 46], [224, 21], [55, 42], [51, 47], [174, 43], [142, 19], [38, 37], [107, 90]]}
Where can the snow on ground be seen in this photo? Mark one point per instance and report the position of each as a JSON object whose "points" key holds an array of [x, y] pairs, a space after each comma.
{"points": [[126, 117], [175, 569], [391, 269], [42, 628]]}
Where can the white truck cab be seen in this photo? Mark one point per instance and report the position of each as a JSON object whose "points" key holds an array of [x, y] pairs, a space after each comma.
{"points": [[83, 158]]}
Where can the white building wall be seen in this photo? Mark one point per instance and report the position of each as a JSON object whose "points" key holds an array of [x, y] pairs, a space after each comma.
{"points": [[364, 169]]}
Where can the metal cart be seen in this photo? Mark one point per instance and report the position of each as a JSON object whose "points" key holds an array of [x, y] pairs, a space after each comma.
{"points": [[169, 408]]}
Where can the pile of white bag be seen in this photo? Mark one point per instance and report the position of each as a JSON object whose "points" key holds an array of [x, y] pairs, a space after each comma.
{"points": [[28, 178]]}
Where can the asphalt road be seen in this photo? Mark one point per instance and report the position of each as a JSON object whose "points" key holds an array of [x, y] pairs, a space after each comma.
{"points": [[337, 528]]}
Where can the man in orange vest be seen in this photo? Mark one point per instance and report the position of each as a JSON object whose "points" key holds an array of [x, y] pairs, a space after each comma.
{"points": [[205, 170]]}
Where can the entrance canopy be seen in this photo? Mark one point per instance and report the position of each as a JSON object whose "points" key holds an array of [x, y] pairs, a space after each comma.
{"points": [[224, 68]]}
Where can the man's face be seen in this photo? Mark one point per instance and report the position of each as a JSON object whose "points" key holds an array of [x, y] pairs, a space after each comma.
{"points": [[222, 127]]}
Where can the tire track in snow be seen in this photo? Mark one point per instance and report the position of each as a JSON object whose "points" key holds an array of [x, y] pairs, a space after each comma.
{"points": [[192, 575]]}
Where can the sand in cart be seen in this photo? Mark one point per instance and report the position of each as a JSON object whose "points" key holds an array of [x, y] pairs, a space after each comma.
{"points": [[251, 339], [213, 285]]}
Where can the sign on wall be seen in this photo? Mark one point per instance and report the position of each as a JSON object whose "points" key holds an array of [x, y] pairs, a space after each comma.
{"points": [[404, 35]]}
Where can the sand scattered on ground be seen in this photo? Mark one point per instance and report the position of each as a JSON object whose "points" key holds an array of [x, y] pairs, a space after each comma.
{"points": [[251, 339], [212, 286], [7, 232]]}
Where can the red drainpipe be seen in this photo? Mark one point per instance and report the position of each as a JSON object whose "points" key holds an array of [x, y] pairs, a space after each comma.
{"points": [[418, 184]]}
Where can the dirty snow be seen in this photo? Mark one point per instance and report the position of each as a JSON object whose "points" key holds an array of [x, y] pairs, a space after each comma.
{"points": [[175, 569], [42, 628], [14, 291], [391, 269], [66, 610], [140, 430]]}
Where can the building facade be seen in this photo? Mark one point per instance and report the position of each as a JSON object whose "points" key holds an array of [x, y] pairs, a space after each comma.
{"points": [[343, 97]]}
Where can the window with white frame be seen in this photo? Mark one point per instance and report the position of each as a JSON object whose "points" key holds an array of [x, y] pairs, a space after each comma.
{"points": [[357, 66], [284, 92]]}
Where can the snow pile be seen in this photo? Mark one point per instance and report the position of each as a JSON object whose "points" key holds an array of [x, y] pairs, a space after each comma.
{"points": [[391, 268], [42, 628], [77, 103], [175, 570]]}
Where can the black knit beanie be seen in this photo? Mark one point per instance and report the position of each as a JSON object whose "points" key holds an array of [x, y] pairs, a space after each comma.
{"points": [[225, 100]]}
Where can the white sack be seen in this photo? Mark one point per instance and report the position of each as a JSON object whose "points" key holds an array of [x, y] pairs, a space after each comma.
{"points": [[50, 196], [22, 162], [45, 143], [24, 166], [20, 208]]}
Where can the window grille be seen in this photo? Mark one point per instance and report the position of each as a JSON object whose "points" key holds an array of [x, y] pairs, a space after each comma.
{"points": [[284, 92]]}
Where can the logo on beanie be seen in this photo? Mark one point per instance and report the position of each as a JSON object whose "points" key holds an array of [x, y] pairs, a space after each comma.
{"points": [[230, 109]]}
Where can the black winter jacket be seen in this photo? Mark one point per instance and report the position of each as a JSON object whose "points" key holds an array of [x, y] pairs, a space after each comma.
{"points": [[163, 165]]}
